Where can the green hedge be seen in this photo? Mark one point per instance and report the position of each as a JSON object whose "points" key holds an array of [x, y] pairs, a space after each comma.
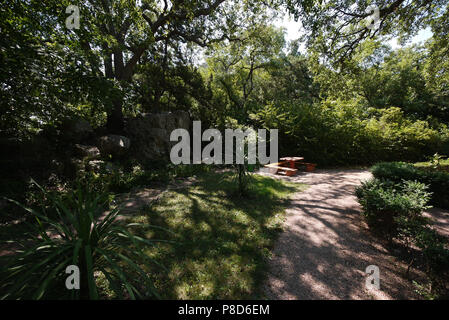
{"points": [[437, 181], [336, 133], [383, 201], [395, 211]]}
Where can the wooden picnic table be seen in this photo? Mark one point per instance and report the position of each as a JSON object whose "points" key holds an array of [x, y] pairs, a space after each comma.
{"points": [[292, 161]]}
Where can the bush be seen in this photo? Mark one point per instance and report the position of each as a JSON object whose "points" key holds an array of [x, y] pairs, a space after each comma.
{"points": [[119, 180], [437, 181], [434, 249], [77, 234], [436, 259], [384, 201], [347, 133], [395, 210]]}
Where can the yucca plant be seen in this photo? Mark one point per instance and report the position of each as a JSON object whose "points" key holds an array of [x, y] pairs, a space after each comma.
{"points": [[76, 231], [242, 178]]}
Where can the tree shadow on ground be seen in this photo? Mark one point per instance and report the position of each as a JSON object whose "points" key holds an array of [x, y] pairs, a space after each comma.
{"points": [[222, 241], [326, 247]]}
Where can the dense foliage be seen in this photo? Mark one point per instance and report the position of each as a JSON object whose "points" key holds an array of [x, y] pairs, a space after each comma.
{"points": [[347, 98], [437, 181], [383, 202], [381, 104], [76, 230], [394, 210]]}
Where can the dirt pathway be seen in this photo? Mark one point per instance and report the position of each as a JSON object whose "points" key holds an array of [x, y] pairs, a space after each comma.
{"points": [[325, 247], [138, 199]]}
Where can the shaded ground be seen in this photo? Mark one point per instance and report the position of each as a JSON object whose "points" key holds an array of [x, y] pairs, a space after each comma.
{"points": [[130, 203], [322, 253], [214, 243], [326, 246], [138, 199], [218, 242], [440, 220]]}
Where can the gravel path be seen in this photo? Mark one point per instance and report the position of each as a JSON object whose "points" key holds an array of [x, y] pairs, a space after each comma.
{"points": [[326, 246]]}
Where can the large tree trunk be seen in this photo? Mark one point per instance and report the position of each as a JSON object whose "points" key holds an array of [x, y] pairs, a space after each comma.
{"points": [[115, 120]]}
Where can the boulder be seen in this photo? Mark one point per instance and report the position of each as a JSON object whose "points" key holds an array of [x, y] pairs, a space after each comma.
{"points": [[95, 165], [74, 167], [114, 145], [89, 152], [157, 120], [182, 119], [100, 166], [150, 134], [76, 130]]}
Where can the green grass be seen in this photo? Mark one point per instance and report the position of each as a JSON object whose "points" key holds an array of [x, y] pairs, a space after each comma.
{"points": [[222, 241], [443, 165]]}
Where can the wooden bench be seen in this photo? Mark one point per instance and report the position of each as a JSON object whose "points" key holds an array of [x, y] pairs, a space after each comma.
{"points": [[280, 169], [289, 165], [309, 166], [291, 161]]}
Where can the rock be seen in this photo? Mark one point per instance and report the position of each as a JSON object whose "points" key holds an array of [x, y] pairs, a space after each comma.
{"points": [[182, 119], [150, 134], [102, 166], [157, 120], [89, 152], [114, 145], [95, 165], [73, 167], [76, 130]]}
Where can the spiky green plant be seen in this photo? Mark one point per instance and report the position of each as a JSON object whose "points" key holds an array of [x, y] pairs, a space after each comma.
{"points": [[76, 231]]}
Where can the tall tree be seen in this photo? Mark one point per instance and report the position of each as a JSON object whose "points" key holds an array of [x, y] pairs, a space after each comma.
{"points": [[114, 36], [125, 30], [41, 74], [234, 66], [336, 28]]}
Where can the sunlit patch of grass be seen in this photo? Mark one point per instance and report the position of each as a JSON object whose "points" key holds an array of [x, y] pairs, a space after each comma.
{"points": [[442, 166], [221, 241]]}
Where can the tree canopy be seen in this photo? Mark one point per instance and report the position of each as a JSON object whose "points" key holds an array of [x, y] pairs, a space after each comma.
{"points": [[227, 62], [337, 28]]}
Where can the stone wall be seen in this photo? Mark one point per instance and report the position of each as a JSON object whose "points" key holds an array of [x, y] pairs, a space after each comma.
{"points": [[150, 134]]}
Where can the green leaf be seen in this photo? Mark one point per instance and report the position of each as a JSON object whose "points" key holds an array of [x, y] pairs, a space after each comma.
{"points": [[93, 294]]}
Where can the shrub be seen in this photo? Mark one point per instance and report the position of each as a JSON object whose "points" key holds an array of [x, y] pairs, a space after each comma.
{"points": [[398, 138], [433, 246], [78, 234], [437, 181], [436, 258], [383, 201], [121, 181], [395, 210]]}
